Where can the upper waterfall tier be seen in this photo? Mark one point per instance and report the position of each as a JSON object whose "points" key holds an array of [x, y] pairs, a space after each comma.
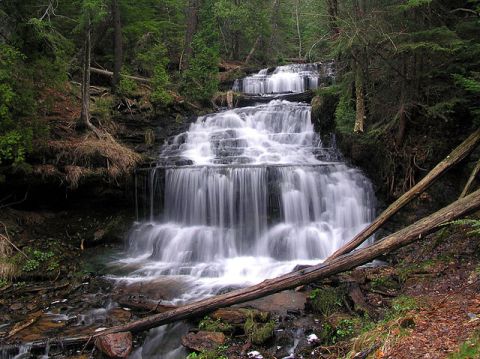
{"points": [[279, 132], [286, 79]]}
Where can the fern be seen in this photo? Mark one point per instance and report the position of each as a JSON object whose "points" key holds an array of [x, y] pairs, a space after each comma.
{"points": [[473, 223]]}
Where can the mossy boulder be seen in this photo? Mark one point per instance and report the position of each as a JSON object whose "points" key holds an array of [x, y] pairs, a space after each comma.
{"points": [[259, 333], [323, 111], [325, 300]]}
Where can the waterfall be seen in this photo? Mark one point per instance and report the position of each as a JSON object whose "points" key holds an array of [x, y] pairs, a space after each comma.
{"points": [[246, 194], [284, 79]]}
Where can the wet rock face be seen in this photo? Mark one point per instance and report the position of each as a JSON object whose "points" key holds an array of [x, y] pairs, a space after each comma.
{"points": [[117, 345], [203, 341], [236, 316]]}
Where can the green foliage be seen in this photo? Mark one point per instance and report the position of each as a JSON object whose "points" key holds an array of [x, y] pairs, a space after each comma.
{"points": [[401, 305], [3, 282], [200, 80], [345, 329], [14, 146], [345, 115], [326, 300], [469, 349], [259, 333], [206, 355], [126, 87], [473, 223], [211, 354], [38, 259], [218, 325], [471, 84], [154, 62], [102, 108]]}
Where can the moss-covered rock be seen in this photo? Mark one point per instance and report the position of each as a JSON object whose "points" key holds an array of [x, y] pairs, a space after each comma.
{"points": [[259, 333], [325, 300], [323, 111], [216, 325]]}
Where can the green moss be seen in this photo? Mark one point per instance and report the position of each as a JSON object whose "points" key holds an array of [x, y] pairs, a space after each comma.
{"points": [[384, 282], [326, 300], [469, 349], [210, 354], [259, 333], [210, 325]]}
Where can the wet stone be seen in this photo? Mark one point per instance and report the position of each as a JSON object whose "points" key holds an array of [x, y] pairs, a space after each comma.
{"points": [[203, 341], [16, 306], [117, 345]]}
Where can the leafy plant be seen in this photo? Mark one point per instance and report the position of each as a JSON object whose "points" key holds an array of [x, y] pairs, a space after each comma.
{"points": [[473, 223]]}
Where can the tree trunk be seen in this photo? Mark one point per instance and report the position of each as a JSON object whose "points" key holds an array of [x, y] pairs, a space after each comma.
{"points": [[402, 112], [297, 4], [415, 232], [117, 44], [252, 51], [274, 20], [192, 26], [360, 114], [452, 159], [472, 177], [332, 9], [84, 121]]}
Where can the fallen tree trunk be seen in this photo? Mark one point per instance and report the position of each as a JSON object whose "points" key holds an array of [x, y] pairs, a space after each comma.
{"points": [[448, 162], [144, 304], [472, 177], [291, 280], [106, 73]]}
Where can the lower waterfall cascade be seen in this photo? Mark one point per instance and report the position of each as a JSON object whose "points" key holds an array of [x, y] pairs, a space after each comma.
{"points": [[244, 195]]}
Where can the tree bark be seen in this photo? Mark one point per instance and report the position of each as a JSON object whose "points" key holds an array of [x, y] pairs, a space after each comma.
{"points": [[332, 9], [84, 121], [452, 159], [192, 25], [274, 20], [117, 44], [252, 51], [472, 177], [360, 114], [297, 4], [410, 234]]}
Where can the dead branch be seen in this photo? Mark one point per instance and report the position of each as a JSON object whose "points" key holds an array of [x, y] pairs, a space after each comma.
{"points": [[110, 74], [472, 177]]}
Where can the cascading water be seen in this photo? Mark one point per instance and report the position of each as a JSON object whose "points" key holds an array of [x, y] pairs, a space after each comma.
{"points": [[284, 79], [256, 194], [243, 195]]}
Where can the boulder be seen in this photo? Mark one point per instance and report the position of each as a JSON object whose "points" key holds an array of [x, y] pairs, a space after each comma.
{"points": [[203, 341], [116, 345]]}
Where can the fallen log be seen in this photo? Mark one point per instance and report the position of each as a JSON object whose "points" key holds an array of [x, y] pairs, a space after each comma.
{"points": [[408, 235], [110, 74], [144, 304], [448, 162], [472, 177]]}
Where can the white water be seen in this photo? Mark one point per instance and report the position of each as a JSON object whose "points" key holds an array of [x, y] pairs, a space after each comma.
{"points": [[259, 195], [284, 79]]}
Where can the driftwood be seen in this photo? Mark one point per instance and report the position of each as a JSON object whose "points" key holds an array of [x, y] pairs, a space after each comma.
{"points": [[408, 235], [452, 159], [110, 74]]}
